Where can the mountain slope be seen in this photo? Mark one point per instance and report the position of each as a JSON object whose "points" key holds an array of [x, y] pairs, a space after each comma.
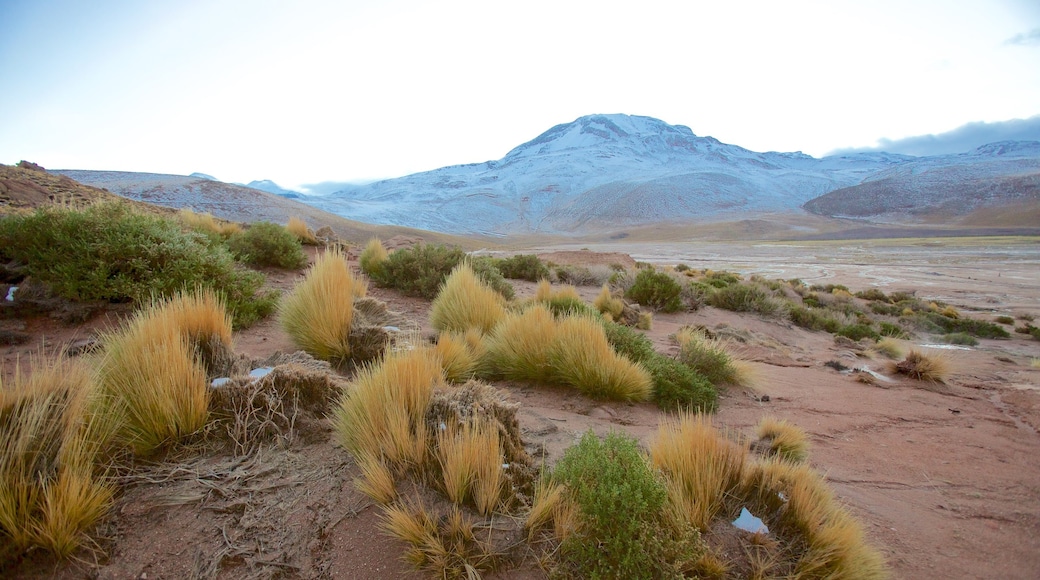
{"points": [[602, 170], [944, 187]]}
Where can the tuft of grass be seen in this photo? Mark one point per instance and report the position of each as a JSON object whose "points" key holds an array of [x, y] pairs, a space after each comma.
{"points": [[890, 347], [50, 443], [471, 464], [606, 303], [548, 495], [381, 415], [458, 358], [656, 290], [646, 321], [518, 349], [317, 314], [920, 366], [782, 439], [563, 301], [1034, 363], [298, 228], [622, 528], [377, 481], [582, 357], [710, 358], [207, 224], [373, 258], [466, 302], [268, 244], [444, 545], [701, 468]]}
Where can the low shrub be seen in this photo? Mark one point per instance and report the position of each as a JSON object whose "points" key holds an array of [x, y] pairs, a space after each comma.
{"points": [[1004, 320], [298, 228], [268, 244], [623, 530], [745, 297], [419, 270], [466, 302], [678, 387], [815, 319], [857, 332], [960, 338], [110, 252], [583, 276], [656, 290], [709, 358], [937, 322], [892, 330], [524, 267], [873, 294], [486, 269]]}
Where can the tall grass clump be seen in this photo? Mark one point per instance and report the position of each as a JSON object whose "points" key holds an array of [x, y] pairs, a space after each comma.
{"points": [[373, 258], [110, 252], [519, 348], [319, 311], [889, 347], [298, 228], [471, 463], [623, 529], [562, 301], [782, 439], [921, 366], [446, 545], [701, 467], [52, 494], [459, 355], [153, 371], [466, 302], [656, 290], [582, 357], [711, 359], [268, 244], [207, 224], [381, 415], [607, 304]]}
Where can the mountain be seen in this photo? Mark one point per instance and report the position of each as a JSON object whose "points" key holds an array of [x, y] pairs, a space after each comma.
{"points": [[272, 187], [602, 171], [946, 187]]}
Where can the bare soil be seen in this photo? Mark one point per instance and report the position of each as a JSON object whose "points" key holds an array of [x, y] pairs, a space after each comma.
{"points": [[944, 477]]}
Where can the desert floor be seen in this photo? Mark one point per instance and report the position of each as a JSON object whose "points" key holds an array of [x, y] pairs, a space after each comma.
{"points": [[944, 477]]}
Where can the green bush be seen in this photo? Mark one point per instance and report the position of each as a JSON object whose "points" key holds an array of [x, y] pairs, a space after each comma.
{"points": [[720, 279], [623, 530], [1005, 320], [419, 270], [656, 290], [486, 268], [960, 338], [524, 267], [873, 294], [744, 298], [886, 309], [679, 387], [268, 244], [893, 330], [110, 252], [935, 322], [857, 332], [813, 319]]}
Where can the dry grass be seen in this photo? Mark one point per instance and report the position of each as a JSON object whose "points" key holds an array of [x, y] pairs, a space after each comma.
{"points": [[547, 498], [518, 349], [1035, 363], [701, 467], [377, 481], [544, 292], [782, 439], [207, 223], [932, 368], [319, 311], [445, 546], [298, 228], [607, 304], [381, 414], [471, 464], [712, 359], [50, 445], [458, 355], [646, 321], [373, 256], [889, 347], [465, 302], [582, 357]]}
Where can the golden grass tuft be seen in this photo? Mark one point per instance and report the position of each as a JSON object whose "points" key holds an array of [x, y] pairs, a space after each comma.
{"points": [[701, 467], [471, 464], [518, 349], [581, 356], [607, 304], [207, 223], [646, 321], [50, 445], [547, 498], [1035, 363], [377, 481], [784, 440], [458, 358], [318, 313], [298, 228], [889, 347], [445, 546], [543, 293], [465, 302], [382, 413], [373, 257], [921, 366]]}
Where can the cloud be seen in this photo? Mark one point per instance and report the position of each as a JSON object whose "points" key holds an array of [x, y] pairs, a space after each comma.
{"points": [[962, 139], [1031, 38]]}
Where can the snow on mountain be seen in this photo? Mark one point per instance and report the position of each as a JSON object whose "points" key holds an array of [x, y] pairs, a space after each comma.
{"points": [[272, 187], [602, 171]]}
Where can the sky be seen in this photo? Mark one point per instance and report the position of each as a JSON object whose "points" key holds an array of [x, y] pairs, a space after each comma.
{"points": [[308, 91]]}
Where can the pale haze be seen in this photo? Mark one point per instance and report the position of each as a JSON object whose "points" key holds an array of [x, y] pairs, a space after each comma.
{"points": [[303, 92]]}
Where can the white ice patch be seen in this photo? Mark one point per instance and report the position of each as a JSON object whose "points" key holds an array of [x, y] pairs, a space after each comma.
{"points": [[220, 382], [10, 293], [750, 523], [945, 346], [260, 372]]}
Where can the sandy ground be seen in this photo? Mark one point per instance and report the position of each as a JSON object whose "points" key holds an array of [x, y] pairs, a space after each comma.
{"points": [[945, 478]]}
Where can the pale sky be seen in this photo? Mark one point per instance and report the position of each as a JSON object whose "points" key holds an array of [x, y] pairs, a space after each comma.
{"points": [[308, 91]]}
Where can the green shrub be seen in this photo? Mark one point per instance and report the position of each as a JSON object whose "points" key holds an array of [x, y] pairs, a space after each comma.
{"points": [[486, 268], [893, 330], [581, 276], [629, 343], [268, 244], [886, 309], [419, 270], [111, 252], [656, 290], [960, 338], [813, 319], [720, 279], [679, 387], [936, 322], [1004, 320], [873, 294], [744, 298], [524, 267], [857, 332], [708, 357], [623, 531]]}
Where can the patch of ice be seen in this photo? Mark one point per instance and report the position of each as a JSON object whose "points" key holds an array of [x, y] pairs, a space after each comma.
{"points": [[945, 346], [750, 523], [10, 293], [260, 372], [219, 382], [391, 329], [877, 376]]}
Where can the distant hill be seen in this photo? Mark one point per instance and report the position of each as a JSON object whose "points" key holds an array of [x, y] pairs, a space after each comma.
{"points": [[27, 185], [602, 171], [947, 188], [272, 187]]}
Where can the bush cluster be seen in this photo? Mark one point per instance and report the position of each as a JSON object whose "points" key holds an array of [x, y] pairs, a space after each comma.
{"points": [[421, 269], [266, 244], [524, 267], [656, 290]]}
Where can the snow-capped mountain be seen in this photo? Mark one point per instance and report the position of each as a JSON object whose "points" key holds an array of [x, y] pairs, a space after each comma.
{"points": [[602, 171], [272, 187]]}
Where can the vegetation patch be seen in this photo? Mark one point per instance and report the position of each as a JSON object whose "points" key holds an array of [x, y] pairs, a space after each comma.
{"points": [[524, 267], [266, 244], [656, 290], [466, 302]]}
